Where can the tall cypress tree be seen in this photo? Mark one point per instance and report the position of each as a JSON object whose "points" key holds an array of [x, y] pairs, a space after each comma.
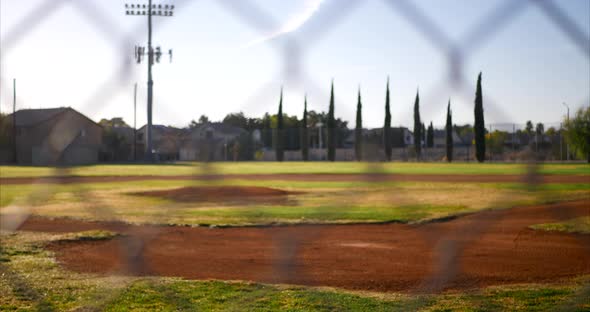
{"points": [[449, 133], [304, 133], [331, 127], [417, 127], [358, 131], [430, 136], [280, 153], [387, 125], [479, 126]]}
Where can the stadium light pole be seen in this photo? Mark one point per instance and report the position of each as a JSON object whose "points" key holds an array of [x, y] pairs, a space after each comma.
{"points": [[149, 10]]}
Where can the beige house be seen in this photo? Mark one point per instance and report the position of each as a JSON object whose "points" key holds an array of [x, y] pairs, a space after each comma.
{"points": [[56, 136]]}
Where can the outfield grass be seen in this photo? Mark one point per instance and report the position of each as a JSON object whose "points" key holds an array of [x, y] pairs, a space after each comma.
{"points": [[316, 202], [33, 281], [188, 168]]}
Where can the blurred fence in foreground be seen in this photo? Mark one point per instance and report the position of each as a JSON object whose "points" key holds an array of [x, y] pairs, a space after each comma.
{"points": [[510, 145]]}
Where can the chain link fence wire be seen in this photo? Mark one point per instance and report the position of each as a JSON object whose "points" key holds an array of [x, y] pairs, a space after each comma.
{"points": [[518, 143]]}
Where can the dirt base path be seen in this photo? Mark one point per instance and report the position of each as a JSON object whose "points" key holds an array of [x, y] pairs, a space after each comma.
{"points": [[488, 248], [371, 177]]}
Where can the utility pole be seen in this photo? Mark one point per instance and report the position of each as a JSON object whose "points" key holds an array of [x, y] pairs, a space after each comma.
{"points": [[567, 146], [14, 120], [135, 123], [149, 10]]}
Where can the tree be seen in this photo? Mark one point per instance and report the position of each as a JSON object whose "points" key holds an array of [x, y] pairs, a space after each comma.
{"points": [[115, 122], [430, 136], [449, 133], [495, 141], [529, 127], [203, 119], [540, 128], [387, 125], [236, 119], [551, 131], [115, 144], [577, 132], [479, 125], [417, 126], [280, 153], [331, 128], [464, 130], [304, 133], [358, 130], [313, 118]]}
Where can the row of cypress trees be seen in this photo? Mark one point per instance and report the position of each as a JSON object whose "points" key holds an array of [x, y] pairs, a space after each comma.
{"points": [[420, 132]]}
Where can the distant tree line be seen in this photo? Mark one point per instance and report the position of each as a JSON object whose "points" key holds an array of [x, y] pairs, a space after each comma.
{"points": [[282, 132], [421, 134]]}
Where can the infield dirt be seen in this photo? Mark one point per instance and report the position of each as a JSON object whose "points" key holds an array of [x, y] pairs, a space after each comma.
{"points": [[481, 249]]}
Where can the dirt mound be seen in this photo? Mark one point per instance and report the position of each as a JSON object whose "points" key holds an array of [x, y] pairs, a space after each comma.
{"points": [[487, 248], [222, 194]]}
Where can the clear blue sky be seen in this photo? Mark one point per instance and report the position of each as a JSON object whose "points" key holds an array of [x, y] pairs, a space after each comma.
{"points": [[223, 62]]}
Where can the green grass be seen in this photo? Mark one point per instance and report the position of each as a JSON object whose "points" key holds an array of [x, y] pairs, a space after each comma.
{"points": [[326, 214], [174, 295], [33, 281], [317, 202], [577, 225], [92, 235], [187, 168]]}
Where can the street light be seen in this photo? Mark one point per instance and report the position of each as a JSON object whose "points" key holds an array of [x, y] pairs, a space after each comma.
{"points": [[149, 10]]}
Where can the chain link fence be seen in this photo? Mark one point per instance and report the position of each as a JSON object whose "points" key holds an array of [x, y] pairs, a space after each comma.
{"points": [[508, 142]]}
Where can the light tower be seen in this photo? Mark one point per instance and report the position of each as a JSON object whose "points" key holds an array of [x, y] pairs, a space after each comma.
{"points": [[149, 10]]}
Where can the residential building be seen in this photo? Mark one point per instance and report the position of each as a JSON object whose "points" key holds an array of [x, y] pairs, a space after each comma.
{"points": [[56, 136]]}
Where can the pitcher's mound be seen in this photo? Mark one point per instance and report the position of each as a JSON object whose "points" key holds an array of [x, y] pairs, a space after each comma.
{"points": [[217, 194]]}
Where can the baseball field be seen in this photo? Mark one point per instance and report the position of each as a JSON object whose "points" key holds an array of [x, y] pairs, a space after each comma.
{"points": [[296, 236]]}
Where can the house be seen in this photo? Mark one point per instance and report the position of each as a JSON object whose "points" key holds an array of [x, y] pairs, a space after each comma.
{"points": [[400, 137], [56, 136], [440, 138], [209, 141], [166, 141]]}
